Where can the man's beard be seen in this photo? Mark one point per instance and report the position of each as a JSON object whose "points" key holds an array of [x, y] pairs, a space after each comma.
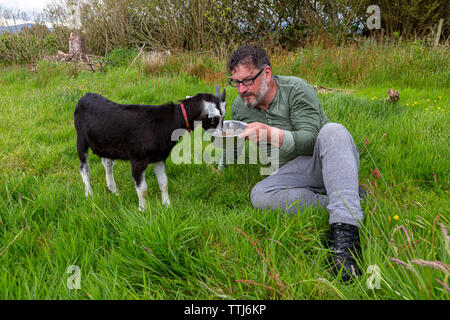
{"points": [[258, 96]]}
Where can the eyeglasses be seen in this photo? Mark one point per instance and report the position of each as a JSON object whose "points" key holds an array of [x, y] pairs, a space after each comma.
{"points": [[245, 82]]}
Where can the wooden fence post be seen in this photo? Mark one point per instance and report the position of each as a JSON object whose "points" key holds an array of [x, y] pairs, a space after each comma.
{"points": [[438, 35]]}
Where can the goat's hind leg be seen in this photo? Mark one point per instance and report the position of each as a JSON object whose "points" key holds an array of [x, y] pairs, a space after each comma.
{"points": [[138, 173], [85, 172], [85, 169], [160, 171], [110, 183]]}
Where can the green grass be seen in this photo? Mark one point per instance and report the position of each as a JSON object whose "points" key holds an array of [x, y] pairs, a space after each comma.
{"points": [[211, 243]]}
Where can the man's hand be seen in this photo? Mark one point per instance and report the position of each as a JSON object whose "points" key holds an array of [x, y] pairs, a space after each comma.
{"points": [[260, 132]]}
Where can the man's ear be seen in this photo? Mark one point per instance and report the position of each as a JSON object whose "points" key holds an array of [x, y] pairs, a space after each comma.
{"points": [[268, 72]]}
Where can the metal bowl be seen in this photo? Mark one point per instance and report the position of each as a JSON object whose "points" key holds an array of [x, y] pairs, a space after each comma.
{"points": [[230, 131]]}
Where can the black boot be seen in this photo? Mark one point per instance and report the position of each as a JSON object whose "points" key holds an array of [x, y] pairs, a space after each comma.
{"points": [[345, 245]]}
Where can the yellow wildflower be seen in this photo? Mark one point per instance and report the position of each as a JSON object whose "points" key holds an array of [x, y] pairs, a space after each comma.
{"points": [[396, 217]]}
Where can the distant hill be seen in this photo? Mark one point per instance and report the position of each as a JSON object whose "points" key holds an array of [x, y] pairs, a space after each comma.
{"points": [[17, 28]]}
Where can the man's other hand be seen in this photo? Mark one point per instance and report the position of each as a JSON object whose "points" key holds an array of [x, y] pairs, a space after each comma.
{"points": [[260, 132]]}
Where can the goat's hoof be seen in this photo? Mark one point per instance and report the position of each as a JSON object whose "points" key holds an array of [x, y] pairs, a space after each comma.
{"points": [[166, 203], [113, 191]]}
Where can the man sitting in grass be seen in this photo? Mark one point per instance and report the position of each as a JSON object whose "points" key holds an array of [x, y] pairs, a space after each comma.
{"points": [[318, 160]]}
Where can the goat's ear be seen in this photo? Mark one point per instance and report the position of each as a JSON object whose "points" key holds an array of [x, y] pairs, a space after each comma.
{"points": [[223, 96], [217, 92]]}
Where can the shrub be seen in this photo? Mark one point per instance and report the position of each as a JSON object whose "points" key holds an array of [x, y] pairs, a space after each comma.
{"points": [[120, 57]]}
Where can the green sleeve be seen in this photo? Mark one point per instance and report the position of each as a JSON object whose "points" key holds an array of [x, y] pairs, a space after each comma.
{"points": [[234, 113], [306, 122]]}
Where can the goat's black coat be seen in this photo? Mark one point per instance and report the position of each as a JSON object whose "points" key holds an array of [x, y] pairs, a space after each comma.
{"points": [[139, 133]]}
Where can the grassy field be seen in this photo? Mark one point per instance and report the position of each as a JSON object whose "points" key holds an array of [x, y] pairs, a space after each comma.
{"points": [[211, 243]]}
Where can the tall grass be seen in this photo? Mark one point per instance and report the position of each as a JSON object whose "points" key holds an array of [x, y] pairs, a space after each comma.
{"points": [[369, 64], [211, 243], [363, 65]]}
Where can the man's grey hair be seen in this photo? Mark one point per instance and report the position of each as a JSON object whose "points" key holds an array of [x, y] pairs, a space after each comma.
{"points": [[249, 54]]}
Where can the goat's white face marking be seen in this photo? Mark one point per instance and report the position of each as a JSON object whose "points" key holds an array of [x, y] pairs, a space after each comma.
{"points": [[211, 109], [222, 108]]}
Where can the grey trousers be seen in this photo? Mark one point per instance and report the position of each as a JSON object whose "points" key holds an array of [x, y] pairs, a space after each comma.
{"points": [[328, 178]]}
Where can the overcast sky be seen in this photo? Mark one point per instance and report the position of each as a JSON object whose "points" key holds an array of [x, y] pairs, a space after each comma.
{"points": [[29, 6]]}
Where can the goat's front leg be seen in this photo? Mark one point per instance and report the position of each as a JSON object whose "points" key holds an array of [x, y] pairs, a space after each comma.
{"points": [[138, 172], [160, 171], [110, 183]]}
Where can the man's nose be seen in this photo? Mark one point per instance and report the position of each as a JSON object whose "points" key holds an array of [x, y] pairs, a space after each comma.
{"points": [[242, 88]]}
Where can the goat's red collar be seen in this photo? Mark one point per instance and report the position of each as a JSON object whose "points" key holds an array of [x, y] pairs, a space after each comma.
{"points": [[185, 117]]}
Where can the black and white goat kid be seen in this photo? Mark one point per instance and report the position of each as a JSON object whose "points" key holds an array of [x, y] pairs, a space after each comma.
{"points": [[138, 133]]}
